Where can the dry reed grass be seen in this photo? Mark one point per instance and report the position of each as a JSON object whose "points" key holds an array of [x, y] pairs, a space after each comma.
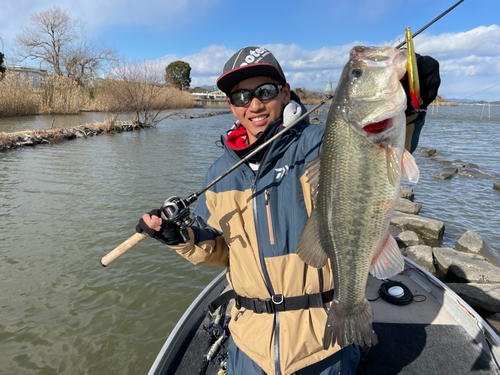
{"points": [[121, 96], [61, 95], [17, 97]]}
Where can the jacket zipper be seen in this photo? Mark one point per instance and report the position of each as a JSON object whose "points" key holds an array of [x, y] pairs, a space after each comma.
{"points": [[269, 218]]}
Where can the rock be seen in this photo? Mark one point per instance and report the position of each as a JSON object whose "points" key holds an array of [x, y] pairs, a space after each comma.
{"points": [[407, 206], [410, 238], [442, 160], [315, 120], [25, 141], [422, 255], [464, 267], [461, 165], [444, 176], [429, 151], [451, 170], [479, 296], [459, 161], [472, 165], [68, 134], [496, 185], [406, 192], [79, 133], [473, 243], [471, 172], [206, 114], [426, 228]]}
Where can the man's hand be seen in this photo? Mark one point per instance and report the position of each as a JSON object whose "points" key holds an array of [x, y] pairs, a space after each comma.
{"points": [[159, 229]]}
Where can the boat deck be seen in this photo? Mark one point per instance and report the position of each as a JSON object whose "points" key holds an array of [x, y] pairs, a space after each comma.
{"points": [[421, 338], [436, 336]]}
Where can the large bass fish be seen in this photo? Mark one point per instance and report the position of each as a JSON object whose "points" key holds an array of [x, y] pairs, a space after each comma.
{"points": [[355, 182]]}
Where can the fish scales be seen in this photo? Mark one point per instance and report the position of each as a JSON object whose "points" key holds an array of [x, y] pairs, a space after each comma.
{"points": [[357, 189]]}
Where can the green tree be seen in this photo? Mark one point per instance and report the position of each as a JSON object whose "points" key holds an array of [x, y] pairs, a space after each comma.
{"points": [[2, 65], [178, 74]]}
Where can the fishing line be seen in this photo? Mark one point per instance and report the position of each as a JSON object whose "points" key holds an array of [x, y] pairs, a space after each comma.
{"points": [[430, 23], [483, 90]]}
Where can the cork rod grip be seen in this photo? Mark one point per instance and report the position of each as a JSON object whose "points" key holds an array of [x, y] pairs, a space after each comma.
{"points": [[123, 248]]}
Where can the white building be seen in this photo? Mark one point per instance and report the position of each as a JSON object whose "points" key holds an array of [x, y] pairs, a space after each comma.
{"points": [[35, 74]]}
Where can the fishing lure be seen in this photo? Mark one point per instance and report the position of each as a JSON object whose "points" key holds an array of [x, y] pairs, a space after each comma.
{"points": [[412, 71]]}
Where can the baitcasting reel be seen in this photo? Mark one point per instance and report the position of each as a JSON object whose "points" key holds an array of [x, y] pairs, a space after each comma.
{"points": [[176, 210]]}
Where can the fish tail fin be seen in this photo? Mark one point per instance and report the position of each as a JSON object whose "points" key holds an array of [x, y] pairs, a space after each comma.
{"points": [[350, 326]]}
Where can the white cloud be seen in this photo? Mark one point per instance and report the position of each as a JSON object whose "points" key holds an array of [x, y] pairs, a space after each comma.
{"points": [[469, 62], [210, 60], [481, 41]]}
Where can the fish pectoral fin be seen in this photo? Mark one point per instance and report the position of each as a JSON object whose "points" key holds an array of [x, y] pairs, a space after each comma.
{"points": [[312, 174], [388, 260], [309, 247], [393, 166], [409, 168]]}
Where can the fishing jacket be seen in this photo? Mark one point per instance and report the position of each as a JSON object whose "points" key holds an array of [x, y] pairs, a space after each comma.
{"points": [[255, 221]]}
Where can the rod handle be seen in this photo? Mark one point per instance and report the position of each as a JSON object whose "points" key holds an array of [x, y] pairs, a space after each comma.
{"points": [[123, 248]]}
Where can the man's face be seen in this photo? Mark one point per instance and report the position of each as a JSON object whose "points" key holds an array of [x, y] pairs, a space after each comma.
{"points": [[256, 115]]}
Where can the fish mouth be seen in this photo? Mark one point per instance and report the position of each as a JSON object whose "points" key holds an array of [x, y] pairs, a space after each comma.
{"points": [[378, 127]]}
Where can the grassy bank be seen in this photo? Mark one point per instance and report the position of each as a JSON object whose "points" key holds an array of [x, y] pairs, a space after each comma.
{"points": [[61, 95]]}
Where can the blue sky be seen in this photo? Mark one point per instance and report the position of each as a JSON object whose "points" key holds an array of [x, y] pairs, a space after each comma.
{"points": [[310, 39]]}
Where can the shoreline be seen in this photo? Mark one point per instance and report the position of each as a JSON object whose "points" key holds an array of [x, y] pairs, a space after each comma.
{"points": [[9, 141]]}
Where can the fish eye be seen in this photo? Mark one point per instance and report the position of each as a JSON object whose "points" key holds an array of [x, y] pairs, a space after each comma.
{"points": [[356, 73]]}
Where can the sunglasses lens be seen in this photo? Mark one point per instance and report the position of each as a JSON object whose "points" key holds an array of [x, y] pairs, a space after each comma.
{"points": [[267, 91], [241, 98]]}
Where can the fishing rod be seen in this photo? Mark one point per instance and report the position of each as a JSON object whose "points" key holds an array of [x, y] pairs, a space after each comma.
{"points": [[176, 210], [430, 23]]}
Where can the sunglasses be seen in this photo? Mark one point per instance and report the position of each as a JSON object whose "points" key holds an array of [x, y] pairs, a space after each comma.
{"points": [[267, 91]]}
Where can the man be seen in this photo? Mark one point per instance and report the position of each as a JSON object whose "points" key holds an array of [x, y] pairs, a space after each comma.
{"points": [[255, 217], [429, 80]]}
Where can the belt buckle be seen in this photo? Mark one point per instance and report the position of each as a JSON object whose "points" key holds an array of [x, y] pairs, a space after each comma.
{"points": [[262, 306]]}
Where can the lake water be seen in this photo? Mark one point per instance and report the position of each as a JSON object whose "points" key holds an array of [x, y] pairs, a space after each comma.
{"points": [[65, 205]]}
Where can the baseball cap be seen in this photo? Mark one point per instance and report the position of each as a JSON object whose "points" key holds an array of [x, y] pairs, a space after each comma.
{"points": [[249, 62]]}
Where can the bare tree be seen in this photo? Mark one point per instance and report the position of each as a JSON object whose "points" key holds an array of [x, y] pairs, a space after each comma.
{"points": [[138, 88], [58, 42]]}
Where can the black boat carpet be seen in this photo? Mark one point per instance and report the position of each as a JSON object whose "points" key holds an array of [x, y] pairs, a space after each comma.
{"points": [[420, 349]]}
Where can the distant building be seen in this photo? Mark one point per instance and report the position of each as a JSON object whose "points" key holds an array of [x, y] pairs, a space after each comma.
{"points": [[35, 74], [213, 94]]}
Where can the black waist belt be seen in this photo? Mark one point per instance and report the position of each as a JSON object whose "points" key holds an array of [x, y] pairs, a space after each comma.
{"points": [[274, 304]]}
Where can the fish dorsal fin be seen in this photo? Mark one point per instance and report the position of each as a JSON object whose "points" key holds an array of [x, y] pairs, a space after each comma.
{"points": [[309, 247], [312, 174], [393, 165], [388, 260], [409, 169]]}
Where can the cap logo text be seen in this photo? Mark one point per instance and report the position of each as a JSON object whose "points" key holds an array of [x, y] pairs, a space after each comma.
{"points": [[255, 56]]}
